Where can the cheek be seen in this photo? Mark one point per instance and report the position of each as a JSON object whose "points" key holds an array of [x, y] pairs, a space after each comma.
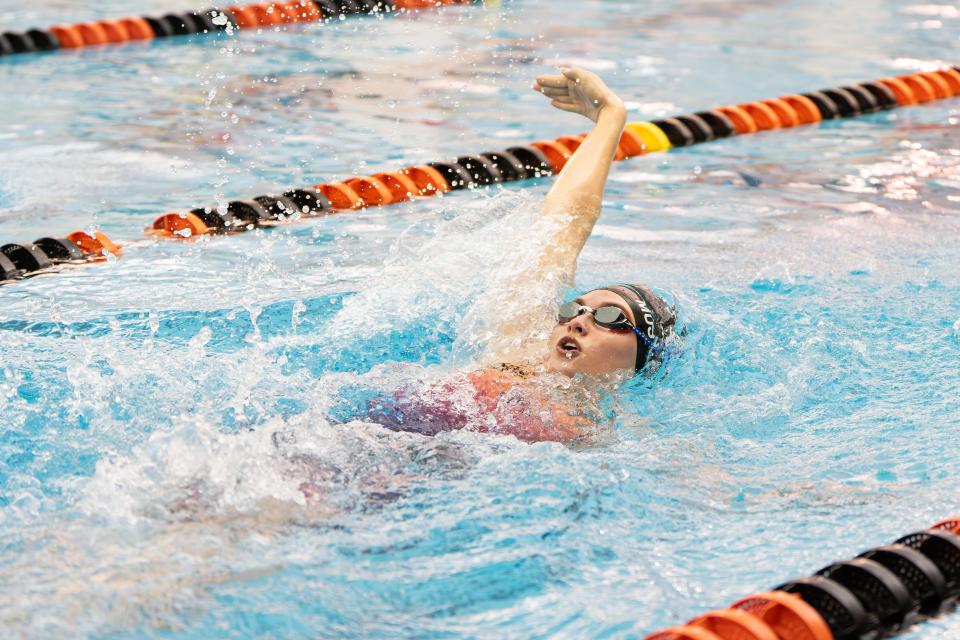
{"points": [[617, 350], [555, 335]]}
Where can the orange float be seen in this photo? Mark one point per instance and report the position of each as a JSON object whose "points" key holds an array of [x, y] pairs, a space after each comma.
{"points": [[557, 154], [787, 615], [371, 190], [734, 624], [137, 28], [788, 115], [429, 181], [805, 108], [941, 89], [96, 244], [901, 91], [245, 17], [952, 78], [631, 144], [414, 4], [340, 195], [267, 14], [288, 11], [400, 185], [742, 121], [950, 524], [183, 224], [92, 33], [68, 35], [764, 116], [304, 11], [114, 30], [922, 90], [683, 633]]}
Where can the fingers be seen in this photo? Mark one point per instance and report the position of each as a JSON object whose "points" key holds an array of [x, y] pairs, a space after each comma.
{"points": [[564, 105], [554, 93], [576, 74], [553, 82], [555, 87]]}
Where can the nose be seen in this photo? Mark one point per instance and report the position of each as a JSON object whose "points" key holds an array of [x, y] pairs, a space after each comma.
{"points": [[580, 325]]}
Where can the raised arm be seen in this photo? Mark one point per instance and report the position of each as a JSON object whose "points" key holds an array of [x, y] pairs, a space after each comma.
{"points": [[578, 192], [574, 200]]}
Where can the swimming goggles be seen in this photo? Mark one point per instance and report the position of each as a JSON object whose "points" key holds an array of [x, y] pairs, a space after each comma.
{"points": [[607, 316]]}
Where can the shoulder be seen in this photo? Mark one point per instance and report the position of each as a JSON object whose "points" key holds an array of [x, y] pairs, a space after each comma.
{"points": [[523, 408], [492, 382]]}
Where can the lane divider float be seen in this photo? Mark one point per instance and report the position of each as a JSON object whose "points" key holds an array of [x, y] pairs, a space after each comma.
{"points": [[880, 593], [251, 16], [45, 255], [537, 159], [546, 157]]}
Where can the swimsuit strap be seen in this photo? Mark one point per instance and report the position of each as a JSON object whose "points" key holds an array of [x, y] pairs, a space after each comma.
{"points": [[520, 371]]}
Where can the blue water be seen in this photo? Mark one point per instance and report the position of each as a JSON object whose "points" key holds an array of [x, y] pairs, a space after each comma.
{"points": [[160, 412]]}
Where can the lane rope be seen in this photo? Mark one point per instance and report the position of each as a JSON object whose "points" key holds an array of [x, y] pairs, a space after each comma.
{"points": [[880, 593], [204, 21], [534, 160]]}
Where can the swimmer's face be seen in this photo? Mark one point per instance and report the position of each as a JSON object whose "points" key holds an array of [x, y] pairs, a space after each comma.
{"points": [[582, 346]]}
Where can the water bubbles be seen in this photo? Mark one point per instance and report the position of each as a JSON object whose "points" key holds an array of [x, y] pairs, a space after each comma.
{"points": [[177, 447], [199, 341]]}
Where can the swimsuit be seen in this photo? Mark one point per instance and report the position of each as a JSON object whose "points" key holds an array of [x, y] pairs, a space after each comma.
{"points": [[506, 399]]}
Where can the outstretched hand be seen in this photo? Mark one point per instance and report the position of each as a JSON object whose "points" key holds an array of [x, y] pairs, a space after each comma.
{"points": [[578, 91]]}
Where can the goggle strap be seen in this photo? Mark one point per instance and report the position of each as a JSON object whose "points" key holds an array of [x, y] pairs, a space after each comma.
{"points": [[643, 353]]}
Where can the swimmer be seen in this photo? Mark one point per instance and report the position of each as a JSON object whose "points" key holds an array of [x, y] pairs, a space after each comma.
{"points": [[608, 330], [603, 335]]}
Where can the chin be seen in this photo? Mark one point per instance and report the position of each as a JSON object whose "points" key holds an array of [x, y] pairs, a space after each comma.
{"points": [[566, 367], [571, 368]]}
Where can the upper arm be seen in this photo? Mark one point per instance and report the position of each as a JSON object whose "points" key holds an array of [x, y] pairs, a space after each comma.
{"points": [[525, 313], [570, 209]]}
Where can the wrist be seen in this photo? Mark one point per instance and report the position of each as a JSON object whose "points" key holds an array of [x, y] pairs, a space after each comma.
{"points": [[613, 110]]}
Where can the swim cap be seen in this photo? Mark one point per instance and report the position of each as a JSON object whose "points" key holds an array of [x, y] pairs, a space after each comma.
{"points": [[653, 317]]}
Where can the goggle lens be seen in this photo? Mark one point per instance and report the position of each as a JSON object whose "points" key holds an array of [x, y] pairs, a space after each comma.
{"points": [[607, 316], [568, 311]]}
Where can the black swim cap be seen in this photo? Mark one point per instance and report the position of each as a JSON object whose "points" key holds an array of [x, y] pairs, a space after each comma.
{"points": [[653, 317]]}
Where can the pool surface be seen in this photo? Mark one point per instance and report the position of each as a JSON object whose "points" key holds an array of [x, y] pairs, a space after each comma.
{"points": [[162, 412]]}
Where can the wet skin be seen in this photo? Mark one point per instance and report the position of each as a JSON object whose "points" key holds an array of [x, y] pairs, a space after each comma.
{"points": [[582, 346]]}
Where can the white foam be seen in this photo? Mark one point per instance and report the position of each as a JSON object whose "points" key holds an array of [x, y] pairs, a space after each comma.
{"points": [[706, 236]]}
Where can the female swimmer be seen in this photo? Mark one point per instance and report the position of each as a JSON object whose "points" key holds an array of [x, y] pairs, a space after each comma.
{"points": [[604, 334]]}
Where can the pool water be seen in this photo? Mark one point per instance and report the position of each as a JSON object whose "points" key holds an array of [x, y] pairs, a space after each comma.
{"points": [[162, 412]]}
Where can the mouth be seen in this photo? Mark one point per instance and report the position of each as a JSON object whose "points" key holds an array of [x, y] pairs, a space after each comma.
{"points": [[568, 347]]}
